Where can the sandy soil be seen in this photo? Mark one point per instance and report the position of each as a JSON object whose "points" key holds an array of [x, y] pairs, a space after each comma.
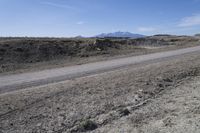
{"points": [[151, 98]]}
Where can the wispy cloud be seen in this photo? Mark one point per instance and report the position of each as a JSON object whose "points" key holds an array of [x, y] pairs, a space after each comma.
{"points": [[190, 21], [146, 29], [58, 5], [80, 23]]}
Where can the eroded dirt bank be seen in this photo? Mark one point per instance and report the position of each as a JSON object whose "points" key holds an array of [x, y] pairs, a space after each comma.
{"points": [[156, 97]]}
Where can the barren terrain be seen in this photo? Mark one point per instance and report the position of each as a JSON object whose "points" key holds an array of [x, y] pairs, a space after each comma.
{"points": [[18, 55], [159, 96], [99, 66], [25, 80]]}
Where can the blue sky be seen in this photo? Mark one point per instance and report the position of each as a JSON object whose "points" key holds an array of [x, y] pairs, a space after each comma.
{"points": [[66, 18]]}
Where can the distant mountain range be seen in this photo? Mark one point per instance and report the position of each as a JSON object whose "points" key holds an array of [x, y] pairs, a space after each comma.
{"points": [[120, 34]]}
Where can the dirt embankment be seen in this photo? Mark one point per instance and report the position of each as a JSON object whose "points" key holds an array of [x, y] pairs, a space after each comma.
{"points": [[123, 100], [19, 53]]}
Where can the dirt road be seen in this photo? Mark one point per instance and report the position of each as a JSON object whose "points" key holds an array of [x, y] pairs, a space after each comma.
{"points": [[19, 81], [153, 97]]}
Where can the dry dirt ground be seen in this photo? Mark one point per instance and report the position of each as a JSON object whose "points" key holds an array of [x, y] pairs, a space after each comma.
{"points": [[32, 54], [157, 97]]}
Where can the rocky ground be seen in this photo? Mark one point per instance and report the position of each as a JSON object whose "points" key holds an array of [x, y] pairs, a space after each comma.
{"points": [[159, 96], [33, 54]]}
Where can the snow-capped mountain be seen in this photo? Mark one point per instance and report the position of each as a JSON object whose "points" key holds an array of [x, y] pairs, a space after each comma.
{"points": [[120, 34]]}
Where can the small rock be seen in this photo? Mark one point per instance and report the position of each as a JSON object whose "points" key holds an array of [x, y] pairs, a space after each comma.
{"points": [[167, 80], [124, 112], [88, 125], [39, 124], [160, 85]]}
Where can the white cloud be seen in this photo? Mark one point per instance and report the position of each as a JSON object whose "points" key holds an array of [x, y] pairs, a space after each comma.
{"points": [[58, 5], [146, 29], [80, 23], [190, 21]]}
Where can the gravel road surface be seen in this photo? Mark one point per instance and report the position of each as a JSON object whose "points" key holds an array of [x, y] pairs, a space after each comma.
{"points": [[18, 81]]}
